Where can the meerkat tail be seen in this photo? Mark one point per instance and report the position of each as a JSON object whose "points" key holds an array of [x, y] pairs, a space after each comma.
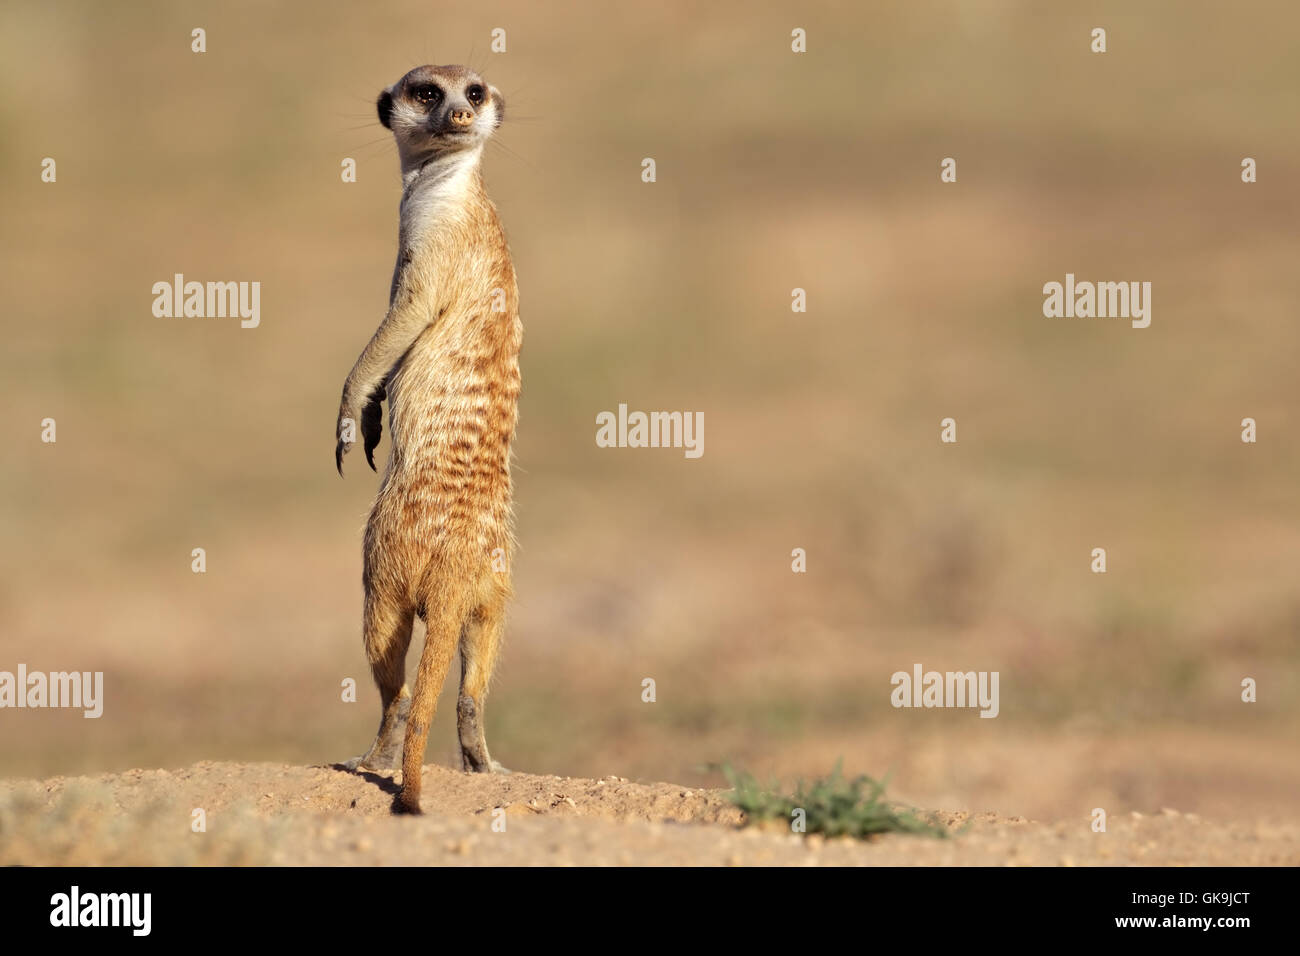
{"points": [[445, 619]]}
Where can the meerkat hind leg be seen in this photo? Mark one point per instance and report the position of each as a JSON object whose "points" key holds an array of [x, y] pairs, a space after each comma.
{"points": [[387, 637], [479, 642]]}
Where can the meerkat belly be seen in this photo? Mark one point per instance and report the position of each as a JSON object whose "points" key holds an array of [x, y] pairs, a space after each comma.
{"points": [[453, 408]]}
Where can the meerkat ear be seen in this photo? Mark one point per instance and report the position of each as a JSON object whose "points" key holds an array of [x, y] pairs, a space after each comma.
{"points": [[385, 106]]}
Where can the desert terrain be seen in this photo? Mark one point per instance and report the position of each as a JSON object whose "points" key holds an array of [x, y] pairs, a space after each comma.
{"points": [[271, 814]]}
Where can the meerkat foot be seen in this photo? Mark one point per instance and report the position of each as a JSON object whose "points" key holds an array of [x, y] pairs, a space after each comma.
{"points": [[371, 761], [385, 753], [473, 746]]}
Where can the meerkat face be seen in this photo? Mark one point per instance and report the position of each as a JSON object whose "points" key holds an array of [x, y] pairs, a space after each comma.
{"points": [[440, 109]]}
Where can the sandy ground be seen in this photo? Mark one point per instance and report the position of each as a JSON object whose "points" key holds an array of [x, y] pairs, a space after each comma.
{"points": [[261, 813]]}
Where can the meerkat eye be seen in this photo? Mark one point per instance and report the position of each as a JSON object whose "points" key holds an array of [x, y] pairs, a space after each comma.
{"points": [[474, 94], [427, 95]]}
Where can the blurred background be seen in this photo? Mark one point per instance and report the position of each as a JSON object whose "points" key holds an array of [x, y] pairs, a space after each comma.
{"points": [[775, 171]]}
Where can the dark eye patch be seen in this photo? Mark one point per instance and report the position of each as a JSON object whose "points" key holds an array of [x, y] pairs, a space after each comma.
{"points": [[475, 95], [427, 94]]}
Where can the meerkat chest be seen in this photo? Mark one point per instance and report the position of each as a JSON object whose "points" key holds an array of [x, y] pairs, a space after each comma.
{"points": [[459, 383]]}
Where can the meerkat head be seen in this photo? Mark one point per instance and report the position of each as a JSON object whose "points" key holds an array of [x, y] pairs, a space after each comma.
{"points": [[434, 111]]}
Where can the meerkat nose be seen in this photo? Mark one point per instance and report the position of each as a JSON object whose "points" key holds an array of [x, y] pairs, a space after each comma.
{"points": [[462, 117]]}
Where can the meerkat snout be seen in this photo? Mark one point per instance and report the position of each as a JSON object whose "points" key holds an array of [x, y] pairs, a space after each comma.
{"points": [[462, 117]]}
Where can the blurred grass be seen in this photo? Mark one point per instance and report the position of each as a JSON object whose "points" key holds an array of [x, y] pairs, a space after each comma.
{"points": [[834, 806], [775, 171]]}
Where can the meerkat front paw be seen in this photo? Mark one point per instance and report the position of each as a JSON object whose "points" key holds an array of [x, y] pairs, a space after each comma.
{"points": [[372, 424], [370, 419], [345, 432]]}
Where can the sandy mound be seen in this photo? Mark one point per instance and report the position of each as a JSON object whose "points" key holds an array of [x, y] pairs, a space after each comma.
{"points": [[276, 814]]}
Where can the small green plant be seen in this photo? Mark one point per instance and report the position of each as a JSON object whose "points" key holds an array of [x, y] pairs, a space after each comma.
{"points": [[834, 806]]}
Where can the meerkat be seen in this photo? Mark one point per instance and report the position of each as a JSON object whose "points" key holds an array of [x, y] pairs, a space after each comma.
{"points": [[440, 539]]}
